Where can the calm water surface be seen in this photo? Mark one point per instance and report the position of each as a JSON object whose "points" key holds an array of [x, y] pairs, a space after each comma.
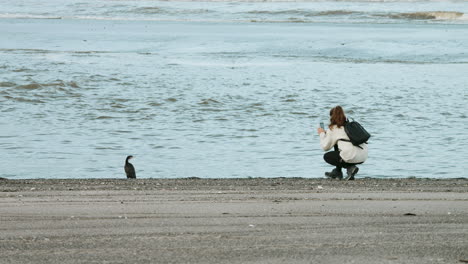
{"points": [[223, 89]]}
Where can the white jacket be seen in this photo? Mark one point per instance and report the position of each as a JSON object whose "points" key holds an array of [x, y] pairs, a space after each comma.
{"points": [[348, 152]]}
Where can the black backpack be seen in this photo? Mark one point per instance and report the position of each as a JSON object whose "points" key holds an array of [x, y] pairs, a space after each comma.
{"points": [[356, 133]]}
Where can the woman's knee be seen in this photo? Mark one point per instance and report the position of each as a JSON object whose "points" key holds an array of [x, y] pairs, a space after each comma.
{"points": [[330, 158]]}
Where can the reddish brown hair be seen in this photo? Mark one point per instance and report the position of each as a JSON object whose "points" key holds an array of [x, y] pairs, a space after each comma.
{"points": [[337, 117]]}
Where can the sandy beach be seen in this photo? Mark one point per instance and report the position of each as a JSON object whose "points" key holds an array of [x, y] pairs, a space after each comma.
{"points": [[278, 220]]}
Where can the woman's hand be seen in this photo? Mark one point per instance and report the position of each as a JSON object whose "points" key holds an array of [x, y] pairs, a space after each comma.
{"points": [[320, 130]]}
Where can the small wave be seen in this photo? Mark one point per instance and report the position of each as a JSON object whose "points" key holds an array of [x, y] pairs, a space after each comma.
{"points": [[155, 104], [73, 84], [437, 15], [117, 105], [172, 100], [107, 148], [298, 113], [282, 12], [301, 16], [31, 86], [24, 100], [61, 84], [265, 16], [38, 51], [42, 51], [56, 83], [305, 13], [86, 52], [158, 10], [148, 10], [21, 70], [336, 13], [104, 117], [208, 102], [152, 19], [211, 109], [118, 18], [375, 60], [28, 16], [7, 84]]}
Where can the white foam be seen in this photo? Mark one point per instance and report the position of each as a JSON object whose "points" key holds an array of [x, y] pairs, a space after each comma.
{"points": [[109, 18], [442, 15], [28, 16], [464, 17], [297, 16]]}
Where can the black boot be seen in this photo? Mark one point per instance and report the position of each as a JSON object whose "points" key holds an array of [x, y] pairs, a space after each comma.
{"points": [[334, 174], [351, 171]]}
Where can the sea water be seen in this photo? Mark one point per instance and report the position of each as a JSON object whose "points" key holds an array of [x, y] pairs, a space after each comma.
{"points": [[230, 89]]}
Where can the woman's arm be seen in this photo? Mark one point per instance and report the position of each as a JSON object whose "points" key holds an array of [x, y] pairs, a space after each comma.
{"points": [[327, 140]]}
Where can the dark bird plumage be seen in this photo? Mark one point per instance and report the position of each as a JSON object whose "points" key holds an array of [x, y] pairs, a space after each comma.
{"points": [[129, 169]]}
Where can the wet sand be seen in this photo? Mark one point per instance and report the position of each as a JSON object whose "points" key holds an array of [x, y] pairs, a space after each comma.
{"points": [[234, 221]]}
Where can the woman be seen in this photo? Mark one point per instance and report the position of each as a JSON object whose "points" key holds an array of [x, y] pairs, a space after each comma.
{"points": [[345, 155]]}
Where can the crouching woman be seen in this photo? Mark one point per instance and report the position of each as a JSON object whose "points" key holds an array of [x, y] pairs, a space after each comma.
{"points": [[345, 154]]}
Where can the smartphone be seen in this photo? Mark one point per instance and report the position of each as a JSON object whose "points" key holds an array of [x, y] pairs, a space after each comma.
{"points": [[322, 125]]}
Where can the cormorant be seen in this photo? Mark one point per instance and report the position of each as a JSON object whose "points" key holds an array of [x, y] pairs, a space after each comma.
{"points": [[129, 169]]}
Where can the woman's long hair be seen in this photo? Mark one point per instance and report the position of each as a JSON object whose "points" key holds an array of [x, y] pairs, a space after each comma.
{"points": [[337, 117]]}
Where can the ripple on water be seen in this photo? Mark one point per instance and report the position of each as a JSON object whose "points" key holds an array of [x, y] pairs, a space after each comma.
{"points": [[117, 105], [21, 70], [108, 148], [7, 84], [171, 99], [155, 104], [208, 101], [122, 132], [299, 113], [105, 117], [31, 86], [24, 100]]}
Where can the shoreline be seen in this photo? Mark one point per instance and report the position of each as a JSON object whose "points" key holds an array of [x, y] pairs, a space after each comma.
{"points": [[255, 220], [282, 183]]}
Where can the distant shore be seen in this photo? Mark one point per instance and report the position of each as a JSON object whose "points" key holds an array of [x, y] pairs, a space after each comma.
{"points": [[255, 220]]}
